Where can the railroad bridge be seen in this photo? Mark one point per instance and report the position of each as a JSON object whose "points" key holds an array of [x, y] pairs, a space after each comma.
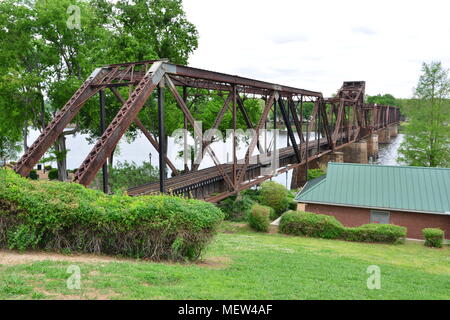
{"points": [[339, 128]]}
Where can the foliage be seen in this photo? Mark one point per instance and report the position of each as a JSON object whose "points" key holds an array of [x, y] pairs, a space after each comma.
{"points": [[427, 135], [43, 60], [433, 237], [315, 173], [9, 147], [274, 195], [310, 225], [33, 175], [236, 208], [328, 227], [69, 217], [258, 218], [53, 174], [386, 99], [386, 233], [125, 175]]}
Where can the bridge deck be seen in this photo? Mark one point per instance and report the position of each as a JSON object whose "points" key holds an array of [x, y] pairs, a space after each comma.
{"points": [[209, 175]]}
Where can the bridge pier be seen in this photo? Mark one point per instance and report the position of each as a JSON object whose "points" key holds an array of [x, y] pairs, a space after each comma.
{"points": [[384, 136], [356, 152], [372, 146], [393, 130]]}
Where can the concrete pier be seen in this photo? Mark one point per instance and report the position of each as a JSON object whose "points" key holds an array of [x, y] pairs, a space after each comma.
{"points": [[393, 130], [356, 152], [384, 136], [372, 146]]}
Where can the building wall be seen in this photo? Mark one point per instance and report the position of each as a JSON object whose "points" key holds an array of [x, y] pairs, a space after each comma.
{"points": [[414, 222]]}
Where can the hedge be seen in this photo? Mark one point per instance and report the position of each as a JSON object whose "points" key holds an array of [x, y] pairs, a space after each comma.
{"points": [[66, 216], [258, 217], [310, 224], [328, 227], [433, 237], [373, 232]]}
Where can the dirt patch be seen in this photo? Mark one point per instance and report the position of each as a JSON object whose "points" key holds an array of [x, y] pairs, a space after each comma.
{"points": [[83, 295], [215, 262], [10, 258]]}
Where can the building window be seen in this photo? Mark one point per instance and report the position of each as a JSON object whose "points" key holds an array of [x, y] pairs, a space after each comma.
{"points": [[379, 217]]}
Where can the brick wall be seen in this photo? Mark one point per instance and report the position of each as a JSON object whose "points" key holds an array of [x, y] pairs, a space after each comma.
{"points": [[414, 222]]}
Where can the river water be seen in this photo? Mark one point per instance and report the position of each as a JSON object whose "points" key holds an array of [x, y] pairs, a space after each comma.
{"points": [[141, 150]]}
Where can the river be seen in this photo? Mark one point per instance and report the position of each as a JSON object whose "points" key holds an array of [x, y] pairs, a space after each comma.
{"points": [[141, 150]]}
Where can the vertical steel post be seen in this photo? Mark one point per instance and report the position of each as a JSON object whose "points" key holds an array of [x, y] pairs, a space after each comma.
{"points": [[234, 138], [102, 129], [162, 164], [186, 167], [307, 151]]}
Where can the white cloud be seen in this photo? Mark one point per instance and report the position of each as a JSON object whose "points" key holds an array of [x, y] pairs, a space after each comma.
{"points": [[316, 45]]}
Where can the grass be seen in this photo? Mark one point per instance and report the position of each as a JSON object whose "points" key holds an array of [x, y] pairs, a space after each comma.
{"points": [[241, 264]]}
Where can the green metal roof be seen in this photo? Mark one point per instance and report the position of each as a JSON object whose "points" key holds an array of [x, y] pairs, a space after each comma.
{"points": [[416, 189]]}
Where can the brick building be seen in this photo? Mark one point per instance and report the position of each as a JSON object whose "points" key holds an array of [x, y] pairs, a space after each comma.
{"points": [[356, 194]]}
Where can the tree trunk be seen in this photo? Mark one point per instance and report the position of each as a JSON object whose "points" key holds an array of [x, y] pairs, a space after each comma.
{"points": [[61, 161], [25, 137]]}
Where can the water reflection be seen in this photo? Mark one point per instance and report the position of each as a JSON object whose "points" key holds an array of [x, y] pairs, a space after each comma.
{"points": [[388, 153]]}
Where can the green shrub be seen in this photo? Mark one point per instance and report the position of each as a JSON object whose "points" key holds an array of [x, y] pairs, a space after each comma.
{"points": [[33, 175], [328, 227], [69, 217], [258, 217], [274, 195], [433, 237], [374, 232], [237, 208], [315, 173], [53, 174], [310, 225]]}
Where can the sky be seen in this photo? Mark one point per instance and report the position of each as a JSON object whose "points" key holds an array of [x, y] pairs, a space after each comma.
{"points": [[316, 45]]}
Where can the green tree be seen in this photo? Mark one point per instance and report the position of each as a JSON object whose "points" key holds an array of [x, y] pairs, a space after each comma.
{"points": [[9, 146], [386, 99], [43, 61], [427, 135]]}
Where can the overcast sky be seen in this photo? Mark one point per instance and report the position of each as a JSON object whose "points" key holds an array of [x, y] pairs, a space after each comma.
{"points": [[316, 45]]}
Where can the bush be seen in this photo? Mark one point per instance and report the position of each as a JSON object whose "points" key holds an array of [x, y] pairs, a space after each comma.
{"points": [[237, 208], [69, 217], [310, 225], [274, 195], [258, 217], [373, 232], [315, 173], [33, 175], [53, 174], [433, 237], [328, 227]]}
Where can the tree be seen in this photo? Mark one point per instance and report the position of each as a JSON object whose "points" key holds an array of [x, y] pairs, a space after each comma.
{"points": [[427, 135], [43, 60], [386, 99], [9, 146]]}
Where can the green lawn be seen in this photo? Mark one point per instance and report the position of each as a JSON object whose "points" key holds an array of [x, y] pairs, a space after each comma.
{"points": [[241, 264]]}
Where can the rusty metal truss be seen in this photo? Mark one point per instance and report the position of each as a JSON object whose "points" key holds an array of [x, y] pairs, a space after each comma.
{"points": [[335, 122]]}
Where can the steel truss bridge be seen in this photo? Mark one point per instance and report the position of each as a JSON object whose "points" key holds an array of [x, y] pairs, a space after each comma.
{"points": [[335, 123]]}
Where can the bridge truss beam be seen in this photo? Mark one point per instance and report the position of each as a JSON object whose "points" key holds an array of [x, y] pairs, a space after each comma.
{"points": [[335, 122]]}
